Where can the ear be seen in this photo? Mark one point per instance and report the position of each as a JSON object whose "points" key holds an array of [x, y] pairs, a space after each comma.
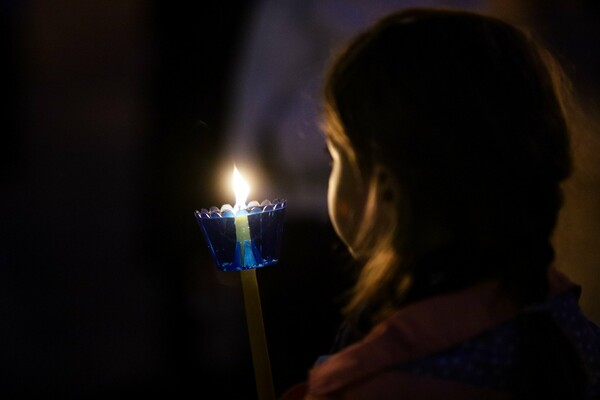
{"points": [[386, 186], [381, 210]]}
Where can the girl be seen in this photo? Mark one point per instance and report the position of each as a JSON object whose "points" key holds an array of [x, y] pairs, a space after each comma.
{"points": [[449, 143]]}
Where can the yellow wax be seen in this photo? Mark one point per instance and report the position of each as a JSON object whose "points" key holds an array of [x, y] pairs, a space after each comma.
{"points": [[258, 339], [242, 232], [242, 229], [254, 318]]}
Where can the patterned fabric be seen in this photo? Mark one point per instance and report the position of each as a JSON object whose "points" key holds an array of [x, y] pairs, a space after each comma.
{"points": [[487, 360], [459, 345], [584, 334]]}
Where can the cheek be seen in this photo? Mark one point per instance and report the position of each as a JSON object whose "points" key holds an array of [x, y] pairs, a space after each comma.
{"points": [[332, 198], [344, 209]]}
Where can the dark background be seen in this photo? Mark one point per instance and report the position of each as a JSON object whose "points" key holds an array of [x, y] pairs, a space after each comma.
{"points": [[113, 123], [113, 126]]}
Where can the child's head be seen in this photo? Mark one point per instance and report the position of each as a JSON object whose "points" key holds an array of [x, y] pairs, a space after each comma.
{"points": [[449, 144]]}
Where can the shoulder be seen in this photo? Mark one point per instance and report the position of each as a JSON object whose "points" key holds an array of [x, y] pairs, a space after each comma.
{"points": [[412, 333], [375, 367]]}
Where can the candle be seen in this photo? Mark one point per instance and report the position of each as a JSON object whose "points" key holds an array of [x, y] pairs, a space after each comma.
{"points": [[256, 330], [245, 236], [227, 226], [242, 228]]}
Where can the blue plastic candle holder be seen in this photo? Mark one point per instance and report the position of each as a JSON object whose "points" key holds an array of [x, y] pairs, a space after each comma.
{"points": [[230, 253]]}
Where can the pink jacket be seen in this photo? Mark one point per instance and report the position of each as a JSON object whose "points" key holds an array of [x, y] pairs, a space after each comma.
{"points": [[365, 370]]}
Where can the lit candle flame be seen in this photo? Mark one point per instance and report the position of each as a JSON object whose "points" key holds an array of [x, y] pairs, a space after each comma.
{"points": [[240, 188]]}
